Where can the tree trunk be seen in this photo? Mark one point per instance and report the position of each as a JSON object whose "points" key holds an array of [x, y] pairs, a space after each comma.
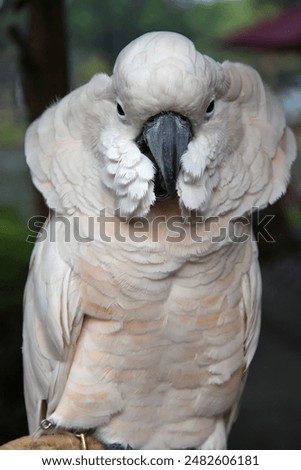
{"points": [[44, 63], [43, 58]]}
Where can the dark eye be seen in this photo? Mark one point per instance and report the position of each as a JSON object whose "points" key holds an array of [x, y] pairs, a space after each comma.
{"points": [[120, 110], [210, 109]]}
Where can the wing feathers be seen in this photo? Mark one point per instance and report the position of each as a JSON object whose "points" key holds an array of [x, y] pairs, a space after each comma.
{"points": [[51, 325]]}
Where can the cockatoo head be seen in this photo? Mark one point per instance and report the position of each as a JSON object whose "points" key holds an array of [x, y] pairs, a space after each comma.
{"points": [[170, 123], [196, 129], [165, 90]]}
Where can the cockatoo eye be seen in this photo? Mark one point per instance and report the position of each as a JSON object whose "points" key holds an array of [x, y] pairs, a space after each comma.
{"points": [[210, 109], [120, 111]]}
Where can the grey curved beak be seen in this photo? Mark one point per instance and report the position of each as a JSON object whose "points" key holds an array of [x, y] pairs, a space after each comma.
{"points": [[165, 138]]}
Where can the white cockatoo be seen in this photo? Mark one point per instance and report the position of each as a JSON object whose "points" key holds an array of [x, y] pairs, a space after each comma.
{"points": [[142, 305]]}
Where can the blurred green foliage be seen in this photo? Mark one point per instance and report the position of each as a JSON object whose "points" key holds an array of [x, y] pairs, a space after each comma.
{"points": [[89, 66], [106, 27], [14, 261], [109, 26], [12, 133], [101, 29]]}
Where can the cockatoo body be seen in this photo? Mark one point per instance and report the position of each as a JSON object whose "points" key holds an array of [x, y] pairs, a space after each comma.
{"points": [[144, 337]]}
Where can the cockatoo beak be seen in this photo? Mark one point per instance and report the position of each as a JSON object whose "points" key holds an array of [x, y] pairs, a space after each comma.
{"points": [[163, 140]]}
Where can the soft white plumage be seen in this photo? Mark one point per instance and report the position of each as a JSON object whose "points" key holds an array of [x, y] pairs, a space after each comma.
{"points": [[148, 342]]}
